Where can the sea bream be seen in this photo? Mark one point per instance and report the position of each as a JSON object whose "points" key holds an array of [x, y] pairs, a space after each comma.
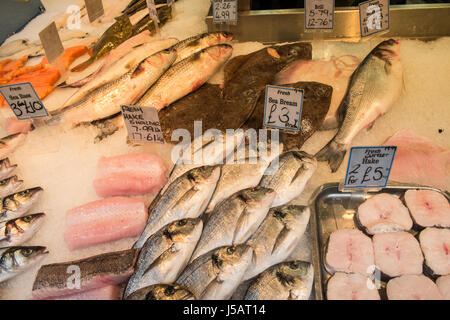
{"points": [[186, 76], [6, 168], [235, 219], [17, 204], [186, 197], [162, 292], [17, 231], [10, 143], [374, 87], [9, 185], [291, 280], [15, 260], [216, 274], [165, 254], [126, 90]]}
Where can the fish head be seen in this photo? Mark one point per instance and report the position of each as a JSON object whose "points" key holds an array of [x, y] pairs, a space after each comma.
{"points": [[258, 196], [295, 269], [167, 292], [219, 52], [29, 223], [291, 216], [204, 175], [387, 51], [185, 230], [169, 55], [230, 260], [15, 258], [27, 197], [219, 37], [286, 54], [13, 182]]}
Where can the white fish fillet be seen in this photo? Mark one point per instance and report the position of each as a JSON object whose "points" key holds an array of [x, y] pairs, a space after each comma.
{"points": [[428, 208], [412, 287], [435, 245], [353, 286], [443, 284]]}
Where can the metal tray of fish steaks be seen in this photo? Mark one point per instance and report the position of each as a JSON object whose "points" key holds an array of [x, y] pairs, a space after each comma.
{"points": [[331, 210]]}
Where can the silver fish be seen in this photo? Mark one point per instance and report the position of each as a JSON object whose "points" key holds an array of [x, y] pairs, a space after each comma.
{"points": [[20, 47], [9, 143], [6, 168], [162, 292], [186, 197], [15, 260], [291, 280], [235, 219], [17, 231], [216, 274], [165, 254], [186, 76], [374, 87], [9, 185], [295, 168], [277, 237], [17, 204]]}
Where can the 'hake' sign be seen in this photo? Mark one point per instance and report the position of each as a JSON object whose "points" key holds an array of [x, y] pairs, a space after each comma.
{"points": [[369, 167], [283, 108], [142, 124], [23, 101]]}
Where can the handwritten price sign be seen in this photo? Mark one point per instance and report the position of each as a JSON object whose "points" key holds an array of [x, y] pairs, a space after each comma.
{"points": [[319, 14], [373, 17], [369, 167], [23, 101], [225, 11], [142, 124]]}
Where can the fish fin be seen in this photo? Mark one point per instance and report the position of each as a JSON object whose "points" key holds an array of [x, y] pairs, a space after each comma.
{"points": [[334, 153], [341, 111], [280, 239], [82, 66], [243, 222]]}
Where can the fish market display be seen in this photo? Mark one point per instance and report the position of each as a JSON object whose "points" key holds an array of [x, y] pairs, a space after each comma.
{"points": [[103, 221], [10, 143], [165, 254], [164, 14], [285, 281], [186, 197], [6, 168], [95, 272], [397, 253], [435, 244], [126, 90], [335, 72], [428, 208], [276, 237], [216, 274], [17, 204], [412, 287], [384, 213], [17, 231], [235, 219], [351, 286], [374, 87], [186, 76], [162, 292], [419, 160], [349, 250], [295, 168], [16, 46], [9, 186], [443, 284], [104, 293], [13, 126], [130, 174], [15, 260]]}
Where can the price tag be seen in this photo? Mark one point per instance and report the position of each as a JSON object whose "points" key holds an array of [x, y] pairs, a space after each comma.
{"points": [[94, 9], [23, 101], [373, 17], [225, 11], [142, 124], [319, 14], [51, 42], [369, 167], [283, 108]]}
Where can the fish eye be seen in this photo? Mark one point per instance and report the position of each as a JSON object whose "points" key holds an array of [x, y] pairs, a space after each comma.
{"points": [[231, 250], [169, 291], [182, 222], [293, 52], [293, 265], [27, 251], [27, 218]]}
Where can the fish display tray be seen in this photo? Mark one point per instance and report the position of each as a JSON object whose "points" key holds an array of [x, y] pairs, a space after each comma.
{"points": [[331, 210]]}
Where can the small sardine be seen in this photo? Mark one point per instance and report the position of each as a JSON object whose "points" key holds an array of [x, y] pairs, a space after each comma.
{"points": [[9, 186], [162, 292], [15, 260], [17, 204], [17, 231], [10, 143], [189, 46], [216, 274], [6, 168]]}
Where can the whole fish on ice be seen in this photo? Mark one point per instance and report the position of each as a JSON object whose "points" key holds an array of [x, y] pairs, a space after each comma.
{"points": [[10, 143], [17, 231], [9, 186], [6, 168], [15, 260], [17, 204], [162, 292]]}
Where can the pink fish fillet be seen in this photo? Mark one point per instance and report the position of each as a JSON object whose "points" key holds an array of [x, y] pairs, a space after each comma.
{"points": [[428, 208], [130, 174], [435, 245], [351, 251], [397, 253], [12, 126], [104, 221], [353, 286], [335, 72], [443, 284], [412, 287], [105, 293], [419, 160], [384, 213]]}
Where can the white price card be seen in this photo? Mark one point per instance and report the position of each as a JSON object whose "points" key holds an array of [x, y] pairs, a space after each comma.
{"points": [[23, 101], [319, 14], [283, 108], [94, 9], [225, 11], [51, 42], [373, 17], [142, 124], [369, 167]]}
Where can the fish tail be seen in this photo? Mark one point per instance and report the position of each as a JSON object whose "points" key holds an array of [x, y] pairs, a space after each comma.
{"points": [[334, 153], [82, 66]]}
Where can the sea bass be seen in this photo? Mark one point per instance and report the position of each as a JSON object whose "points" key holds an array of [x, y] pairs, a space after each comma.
{"points": [[9, 185], [186, 197], [17, 231], [277, 237], [15, 260], [126, 90], [216, 274], [374, 87], [295, 168], [186, 76], [10, 143], [291, 280], [165, 254], [162, 292], [17, 204], [6, 168]]}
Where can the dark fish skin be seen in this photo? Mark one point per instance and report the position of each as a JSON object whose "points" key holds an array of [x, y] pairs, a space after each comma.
{"points": [[245, 78], [164, 14], [162, 292]]}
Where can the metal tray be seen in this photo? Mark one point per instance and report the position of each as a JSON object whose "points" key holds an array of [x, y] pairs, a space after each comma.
{"points": [[331, 210]]}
